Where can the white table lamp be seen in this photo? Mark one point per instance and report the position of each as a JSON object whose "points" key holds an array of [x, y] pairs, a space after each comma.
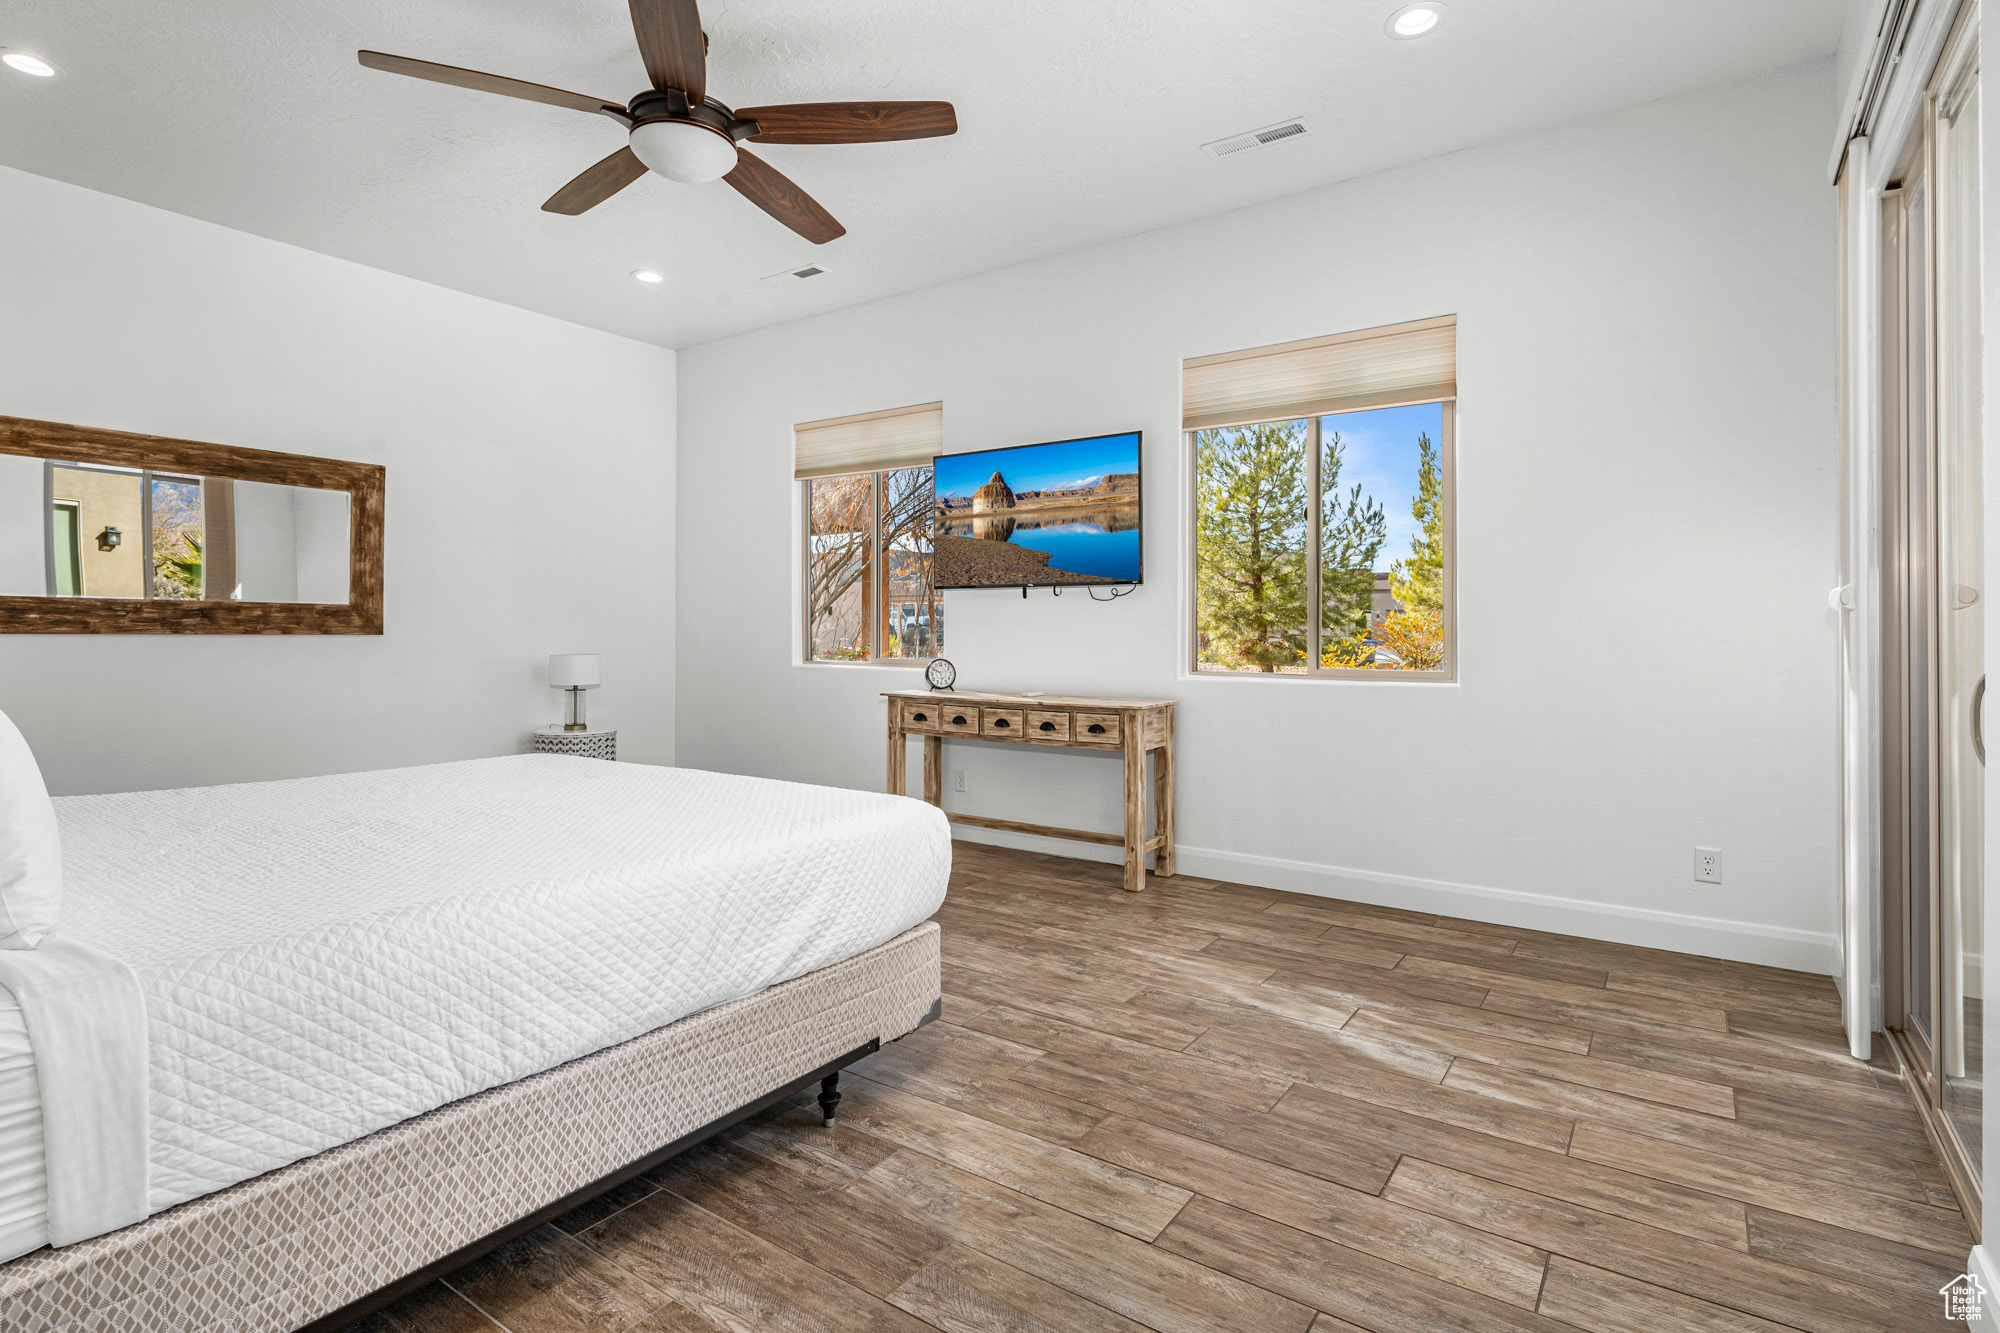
{"points": [[575, 672]]}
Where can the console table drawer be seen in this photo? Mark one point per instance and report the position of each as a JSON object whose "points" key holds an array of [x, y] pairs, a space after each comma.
{"points": [[1048, 726], [1097, 729], [1006, 723], [958, 718], [921, 717]]}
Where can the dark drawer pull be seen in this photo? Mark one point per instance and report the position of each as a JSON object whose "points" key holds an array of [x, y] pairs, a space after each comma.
{"points": [[958, 721], [1000, 722], [1097, 728], [921, 717], [1048, 726]]}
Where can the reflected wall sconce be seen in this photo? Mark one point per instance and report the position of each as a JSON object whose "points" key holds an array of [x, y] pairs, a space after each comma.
{"points": [[109, 539]]}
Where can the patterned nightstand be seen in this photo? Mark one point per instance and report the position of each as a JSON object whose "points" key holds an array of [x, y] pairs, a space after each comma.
{"points": [[593, 744]]}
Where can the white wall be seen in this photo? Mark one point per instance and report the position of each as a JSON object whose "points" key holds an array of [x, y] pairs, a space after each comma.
{"points": [[1646, 491], [24, 564], [322, 535], [267, 542], [291, 543], [1859, 26], [130, 318]]}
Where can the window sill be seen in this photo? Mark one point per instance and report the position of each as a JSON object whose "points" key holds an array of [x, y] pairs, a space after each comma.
{"points": [[1348, 678], [885, 663]]}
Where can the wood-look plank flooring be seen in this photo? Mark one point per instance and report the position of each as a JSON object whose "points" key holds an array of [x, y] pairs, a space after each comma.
{"points": [[1214, 1107]]}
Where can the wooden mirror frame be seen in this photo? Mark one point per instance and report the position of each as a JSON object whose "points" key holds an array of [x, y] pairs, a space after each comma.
{"points": [[363, 482]]}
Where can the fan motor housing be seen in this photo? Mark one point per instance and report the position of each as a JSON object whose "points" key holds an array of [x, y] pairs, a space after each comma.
{"points": [[673, 104]]}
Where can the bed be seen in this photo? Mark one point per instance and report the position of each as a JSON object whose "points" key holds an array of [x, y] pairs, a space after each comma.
{"points": [[298, 1041]]}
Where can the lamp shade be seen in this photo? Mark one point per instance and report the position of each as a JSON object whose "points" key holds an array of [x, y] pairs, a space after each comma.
{"points": [[573, 671]]}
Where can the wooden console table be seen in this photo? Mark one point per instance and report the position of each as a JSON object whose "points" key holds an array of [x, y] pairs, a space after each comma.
{"points": [[1134, 727]]}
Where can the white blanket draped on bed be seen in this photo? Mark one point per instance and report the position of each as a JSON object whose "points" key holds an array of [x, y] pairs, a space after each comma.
{"points": [[321, 958], [86, 1023]]}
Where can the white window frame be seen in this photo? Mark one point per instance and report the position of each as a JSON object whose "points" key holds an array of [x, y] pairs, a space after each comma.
{"points": [[1448, 524]]}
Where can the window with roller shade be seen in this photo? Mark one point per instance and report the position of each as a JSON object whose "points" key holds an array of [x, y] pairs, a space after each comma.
{"points": [[868, 503], [1323, 483]]}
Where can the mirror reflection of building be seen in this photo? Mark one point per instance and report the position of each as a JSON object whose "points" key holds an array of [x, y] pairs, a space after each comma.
{"points": [[140, 533]]}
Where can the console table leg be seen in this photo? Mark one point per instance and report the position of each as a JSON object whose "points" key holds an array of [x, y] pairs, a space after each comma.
{"points": [[1163, 808], [897, 759], [934, 770], [1135, 808]]}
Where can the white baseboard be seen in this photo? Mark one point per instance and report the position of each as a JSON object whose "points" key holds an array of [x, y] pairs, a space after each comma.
{"points": [[1980, 1264], [1711, 937]]}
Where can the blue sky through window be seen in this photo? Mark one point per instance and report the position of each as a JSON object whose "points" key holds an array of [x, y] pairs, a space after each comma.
{"points": [[1380, 451]]}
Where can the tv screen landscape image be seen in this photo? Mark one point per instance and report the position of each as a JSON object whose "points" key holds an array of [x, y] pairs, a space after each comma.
{"points": [[1039, 514]]}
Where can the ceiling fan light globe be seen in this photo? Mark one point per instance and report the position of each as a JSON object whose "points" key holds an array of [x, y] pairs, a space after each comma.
{"points": [[683, 151]]}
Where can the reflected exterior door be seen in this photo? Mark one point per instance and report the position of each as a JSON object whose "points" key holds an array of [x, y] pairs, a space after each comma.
{"points": [[64, 559]]}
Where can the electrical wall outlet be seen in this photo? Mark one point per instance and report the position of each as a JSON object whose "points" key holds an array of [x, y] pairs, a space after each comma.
{"points": [[958, 779], [1708, 864]]}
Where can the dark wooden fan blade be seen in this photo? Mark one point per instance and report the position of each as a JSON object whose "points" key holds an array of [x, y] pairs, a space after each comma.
{"points": [[671, 44], [597, 184], [487, 83], [775, 193], [851, 122]]}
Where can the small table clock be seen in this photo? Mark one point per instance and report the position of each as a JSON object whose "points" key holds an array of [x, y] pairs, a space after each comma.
{"points": [[941, 674]]}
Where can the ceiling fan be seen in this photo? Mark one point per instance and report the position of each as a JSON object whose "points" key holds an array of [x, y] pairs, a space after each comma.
{"points": [[677, 130]]}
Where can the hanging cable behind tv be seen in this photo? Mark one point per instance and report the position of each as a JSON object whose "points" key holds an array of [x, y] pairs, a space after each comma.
{"points": [[1121, 590]]}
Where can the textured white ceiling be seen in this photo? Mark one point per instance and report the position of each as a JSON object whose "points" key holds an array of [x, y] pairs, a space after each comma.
{"points": [[1080, 121]]}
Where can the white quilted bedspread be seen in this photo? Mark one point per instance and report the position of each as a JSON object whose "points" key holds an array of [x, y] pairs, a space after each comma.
{"points": [[325, 957]]}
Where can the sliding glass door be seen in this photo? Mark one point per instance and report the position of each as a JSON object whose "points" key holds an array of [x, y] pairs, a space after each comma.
{"points": [[1960, 609], [1909, 526], [1932, 653]]}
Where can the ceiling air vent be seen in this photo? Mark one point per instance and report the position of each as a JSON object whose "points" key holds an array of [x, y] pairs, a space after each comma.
{"points": [[1254, 139], [792, 275]]}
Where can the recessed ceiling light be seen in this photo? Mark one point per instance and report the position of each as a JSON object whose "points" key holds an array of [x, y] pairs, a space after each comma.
{"points": [[28, 64], [1416, 20], [647, 275]]}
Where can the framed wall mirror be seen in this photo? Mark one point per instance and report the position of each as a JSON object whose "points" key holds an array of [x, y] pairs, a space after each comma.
{"points": [[106, 532]]}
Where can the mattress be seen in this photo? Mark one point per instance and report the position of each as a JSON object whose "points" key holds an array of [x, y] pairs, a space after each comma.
{"points": [[320, 958]]}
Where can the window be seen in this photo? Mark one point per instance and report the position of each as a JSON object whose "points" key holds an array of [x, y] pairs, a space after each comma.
{"points": [[1322, 482], [869, 502], [176, 530], [127, 531]]}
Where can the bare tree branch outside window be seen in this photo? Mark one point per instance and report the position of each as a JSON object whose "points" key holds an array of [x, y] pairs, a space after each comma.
{"points": [[871, 593]]}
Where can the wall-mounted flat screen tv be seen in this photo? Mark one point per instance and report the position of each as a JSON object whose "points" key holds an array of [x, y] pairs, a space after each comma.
{"points": [[1039, 514]]}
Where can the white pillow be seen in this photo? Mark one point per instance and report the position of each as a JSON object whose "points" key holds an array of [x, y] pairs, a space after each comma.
{"points": [[30, 848]]}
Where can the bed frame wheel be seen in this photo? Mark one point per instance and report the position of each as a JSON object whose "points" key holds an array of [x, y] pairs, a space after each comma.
{"points": [[829, 1097]]}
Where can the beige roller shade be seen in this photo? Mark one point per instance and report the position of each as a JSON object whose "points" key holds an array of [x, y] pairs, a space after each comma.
{"points": [[1348, 372], [871, 442]]}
